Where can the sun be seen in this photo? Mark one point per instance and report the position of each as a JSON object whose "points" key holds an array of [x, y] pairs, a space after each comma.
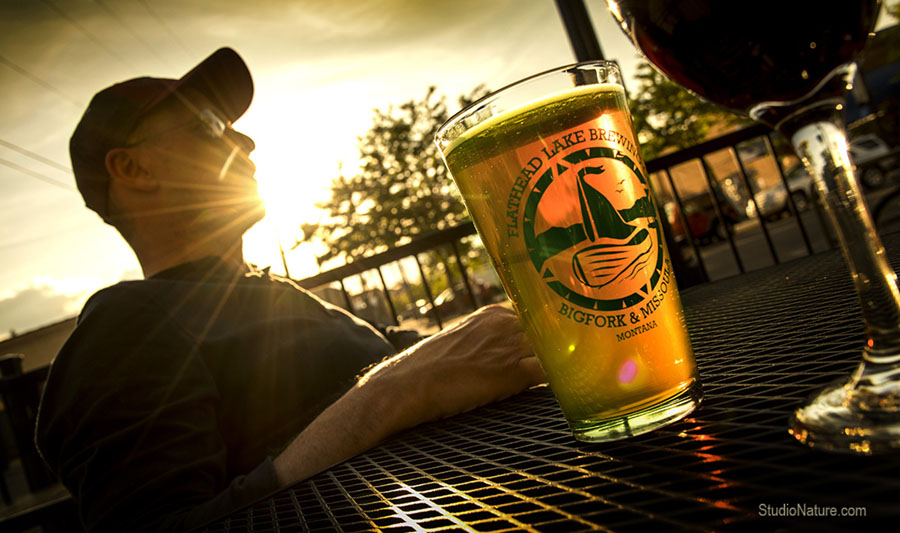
{"points": [[301, 146], [290, 198]]}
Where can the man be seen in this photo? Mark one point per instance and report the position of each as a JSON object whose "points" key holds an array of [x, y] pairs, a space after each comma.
{"points": [[206, 385]]}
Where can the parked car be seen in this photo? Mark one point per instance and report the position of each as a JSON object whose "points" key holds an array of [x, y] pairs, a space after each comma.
{"points": [[772, 201], [701, 217], [868, 152], [752, 149]]}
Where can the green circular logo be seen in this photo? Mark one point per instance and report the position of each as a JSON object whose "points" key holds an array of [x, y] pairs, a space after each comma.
{"points": [[591, 231]]}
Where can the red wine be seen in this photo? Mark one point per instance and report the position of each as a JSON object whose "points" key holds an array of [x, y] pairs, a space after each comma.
{"points": [[738, 53]]}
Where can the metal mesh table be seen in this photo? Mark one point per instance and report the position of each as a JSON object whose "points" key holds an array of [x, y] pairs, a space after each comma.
{"points": [[764, 342]]}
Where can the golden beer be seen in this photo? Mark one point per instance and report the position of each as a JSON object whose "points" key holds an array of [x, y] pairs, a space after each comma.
{"points": [[558, 191]]}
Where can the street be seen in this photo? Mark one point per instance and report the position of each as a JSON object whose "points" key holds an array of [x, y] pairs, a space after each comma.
{"points": [[785, 235]]}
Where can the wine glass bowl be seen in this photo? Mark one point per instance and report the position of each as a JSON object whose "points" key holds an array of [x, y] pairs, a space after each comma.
{"points": [[790, 65], [744, 54]]}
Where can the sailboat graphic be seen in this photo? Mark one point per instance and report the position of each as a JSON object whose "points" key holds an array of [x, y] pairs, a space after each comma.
{"points": [[618, 250]]}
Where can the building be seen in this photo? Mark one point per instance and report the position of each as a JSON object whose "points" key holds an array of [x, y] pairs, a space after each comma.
{"points": [[38, 347]]}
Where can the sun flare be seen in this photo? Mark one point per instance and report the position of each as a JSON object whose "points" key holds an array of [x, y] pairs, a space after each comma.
{"points": [[290, 201], [301, 145]]}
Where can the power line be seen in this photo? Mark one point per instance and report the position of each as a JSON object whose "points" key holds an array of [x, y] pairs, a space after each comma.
{"points": [[131, 30], [39, 81], [93, 38], [167, 28], [36, 157], [45, 236], [37, 175]]}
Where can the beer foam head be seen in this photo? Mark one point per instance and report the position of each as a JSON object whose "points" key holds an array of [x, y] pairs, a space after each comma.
{"points": [[493, 118]]}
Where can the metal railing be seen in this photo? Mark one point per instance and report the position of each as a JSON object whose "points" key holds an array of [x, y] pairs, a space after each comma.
{"points": [[685, 249], [700, 152], [412, 249]]}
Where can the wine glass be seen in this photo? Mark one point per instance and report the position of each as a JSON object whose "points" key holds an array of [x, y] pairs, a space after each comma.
{"points": [[789, 64]]}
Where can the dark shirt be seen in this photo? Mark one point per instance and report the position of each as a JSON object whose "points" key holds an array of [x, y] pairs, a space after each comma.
{"points": [[164, 408]]}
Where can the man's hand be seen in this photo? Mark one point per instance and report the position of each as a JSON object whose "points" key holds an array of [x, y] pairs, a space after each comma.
{"points": [[483, 359]]}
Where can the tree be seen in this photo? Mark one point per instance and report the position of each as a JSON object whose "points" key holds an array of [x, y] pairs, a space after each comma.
{"points": [[668, 118], [402, 189]]}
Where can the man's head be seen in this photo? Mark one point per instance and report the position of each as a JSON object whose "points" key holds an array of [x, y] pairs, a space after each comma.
{"points": [[152, 147]]}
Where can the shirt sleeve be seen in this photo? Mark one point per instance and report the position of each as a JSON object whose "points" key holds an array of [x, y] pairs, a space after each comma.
{"points": [[129, 421]]}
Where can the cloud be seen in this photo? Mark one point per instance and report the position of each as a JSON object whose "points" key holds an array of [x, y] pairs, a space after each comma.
{"points": [[37, 306], [131, 274]]}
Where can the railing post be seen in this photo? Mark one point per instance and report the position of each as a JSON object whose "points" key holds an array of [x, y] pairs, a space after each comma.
{"points": [[770, 147], [346, 297], [759, 215], [437, 316], [465, 277], [717, 209], [686, 226], [387, 296]]}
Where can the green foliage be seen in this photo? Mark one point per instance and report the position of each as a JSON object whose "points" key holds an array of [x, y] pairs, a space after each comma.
{"points": [[402, 190], [667, 117]]}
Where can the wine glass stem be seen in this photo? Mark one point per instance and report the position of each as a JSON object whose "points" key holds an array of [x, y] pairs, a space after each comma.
{"points": [[823, 148]]}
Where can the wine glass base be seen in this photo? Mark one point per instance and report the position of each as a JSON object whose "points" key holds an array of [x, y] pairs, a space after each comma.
{"points": [[832, 423]]}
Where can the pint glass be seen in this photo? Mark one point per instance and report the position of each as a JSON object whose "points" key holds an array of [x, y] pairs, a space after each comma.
{"points": [[551, 173]]}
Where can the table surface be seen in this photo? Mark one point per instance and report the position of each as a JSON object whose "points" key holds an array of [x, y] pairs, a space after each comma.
{"points": [[764, 342]]}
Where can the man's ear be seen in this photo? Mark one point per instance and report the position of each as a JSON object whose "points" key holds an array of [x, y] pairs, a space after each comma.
{"points": [[126, 169]]}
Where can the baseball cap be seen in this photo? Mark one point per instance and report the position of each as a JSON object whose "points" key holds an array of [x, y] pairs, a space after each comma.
{"points": [[113, 113]]}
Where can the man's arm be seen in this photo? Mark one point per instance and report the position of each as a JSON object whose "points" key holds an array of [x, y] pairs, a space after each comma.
{"points": [[483, 359]]}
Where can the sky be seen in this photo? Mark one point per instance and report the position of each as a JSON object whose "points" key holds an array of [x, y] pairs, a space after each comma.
{"points": [[320, 67]]}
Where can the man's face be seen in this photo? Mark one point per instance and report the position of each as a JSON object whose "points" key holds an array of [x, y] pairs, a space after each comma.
{"points": [[205, 174]]}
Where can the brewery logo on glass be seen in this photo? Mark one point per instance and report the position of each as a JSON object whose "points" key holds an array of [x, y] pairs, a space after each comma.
{"points": [[588, 222]]}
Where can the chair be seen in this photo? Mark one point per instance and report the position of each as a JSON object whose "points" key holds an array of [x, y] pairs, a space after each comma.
{"points": [[48, 503]]}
